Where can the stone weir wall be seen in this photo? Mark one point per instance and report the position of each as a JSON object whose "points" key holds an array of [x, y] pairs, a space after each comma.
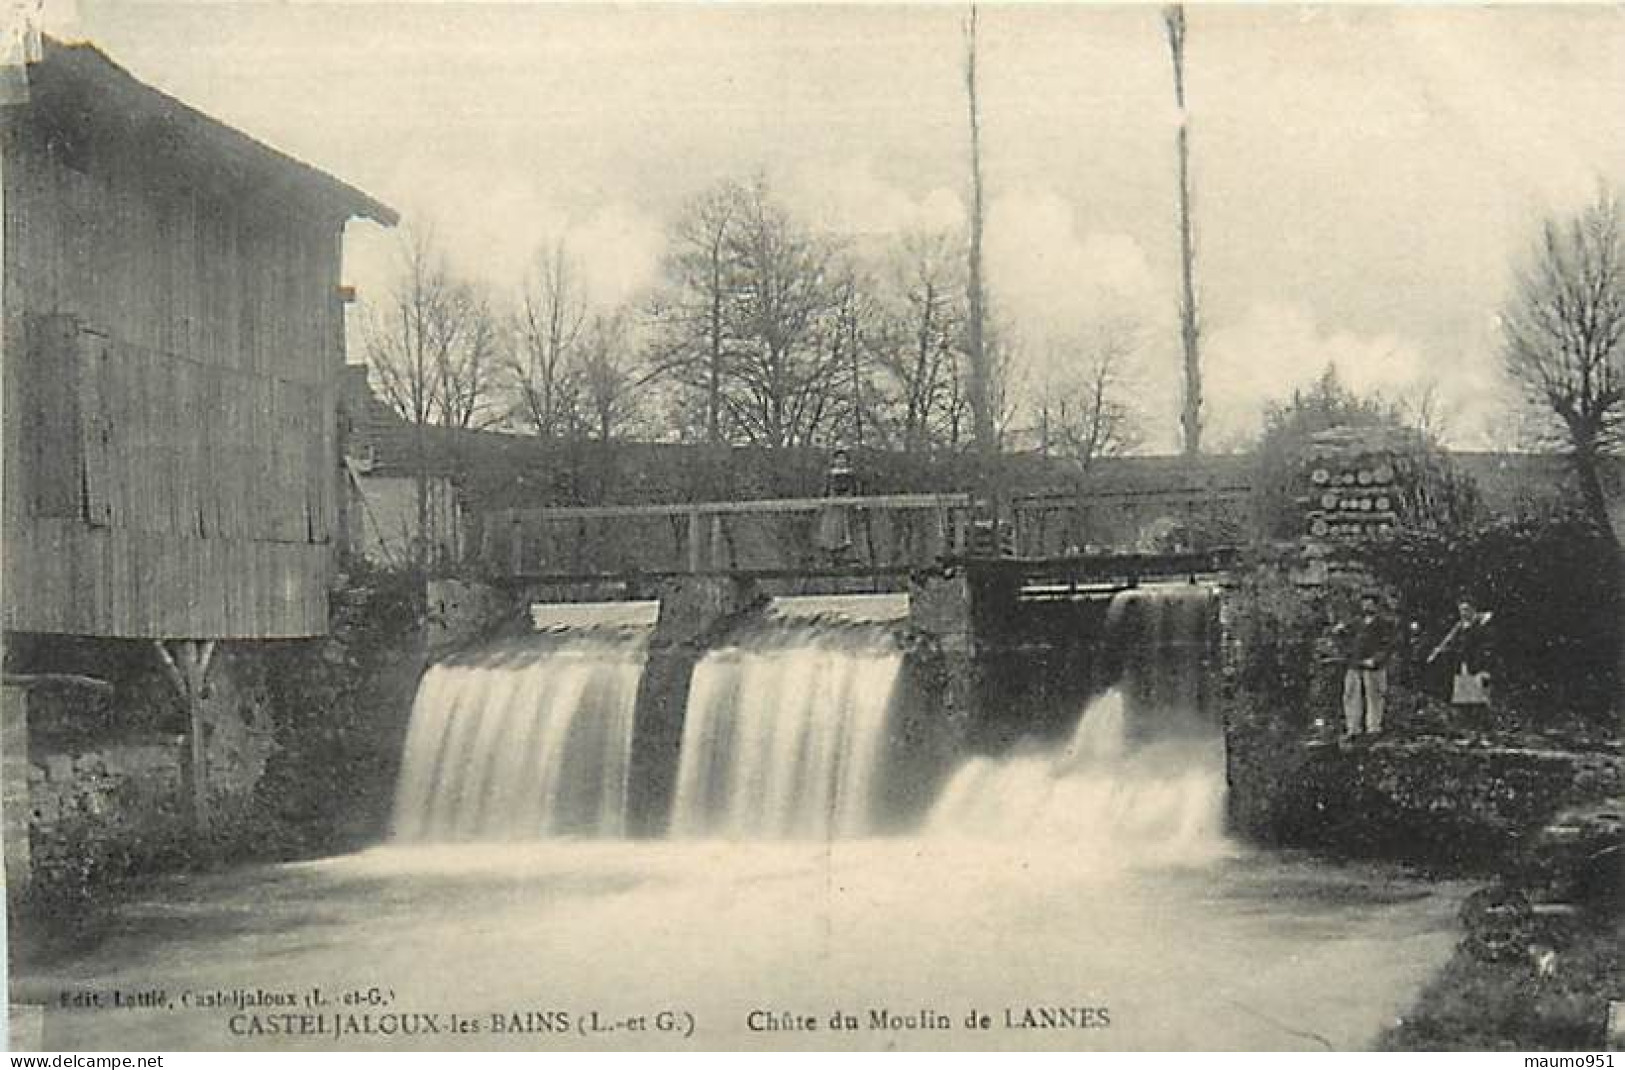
{"points": [[1007, 669], [693, 613], [980, 671]]}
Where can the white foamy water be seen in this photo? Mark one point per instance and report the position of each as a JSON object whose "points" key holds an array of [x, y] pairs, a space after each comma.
{"points": [[1126, 800], [785, 738], [531, 738]]}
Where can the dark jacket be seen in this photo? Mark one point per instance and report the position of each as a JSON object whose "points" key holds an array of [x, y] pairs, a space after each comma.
{"points": [[1467, 643], [1368, 642]]}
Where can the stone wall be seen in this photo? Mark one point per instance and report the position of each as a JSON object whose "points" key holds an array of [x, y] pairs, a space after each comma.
{"points": [[1005, 670], [98, 773], [341, 709], [692, 612], [110, 800], [238, 724], [14, 787], [1457, 805], [460, 612]]}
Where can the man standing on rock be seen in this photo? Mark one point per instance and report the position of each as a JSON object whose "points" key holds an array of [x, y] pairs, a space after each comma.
{"points": [[1367, 645]]}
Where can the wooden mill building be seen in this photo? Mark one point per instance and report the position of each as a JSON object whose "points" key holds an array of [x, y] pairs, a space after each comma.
{"points": [[173, 340]]}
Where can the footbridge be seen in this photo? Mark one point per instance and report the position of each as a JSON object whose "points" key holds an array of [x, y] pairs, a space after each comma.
{"points": [[788, 546]]}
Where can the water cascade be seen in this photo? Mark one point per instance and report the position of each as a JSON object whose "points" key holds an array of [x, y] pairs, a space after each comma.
{"points": [[1161, 638], [1142, 776], [1052, 878], [785, 734], [522, 740]]}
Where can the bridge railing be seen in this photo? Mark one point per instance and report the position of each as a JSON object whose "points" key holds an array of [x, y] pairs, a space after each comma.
{"points": [[1050, 524], [1038, 577], [885, 532]]}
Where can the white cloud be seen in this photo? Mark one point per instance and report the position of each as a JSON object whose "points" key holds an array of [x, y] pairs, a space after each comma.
{"points": [[1277, 348], [619, 250], [1058, 285], [496, 242], [851, 199], [1054, 280], [488, 230]]}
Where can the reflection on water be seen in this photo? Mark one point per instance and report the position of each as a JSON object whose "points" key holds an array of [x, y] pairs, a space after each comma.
{"points": [[1248, 951]]}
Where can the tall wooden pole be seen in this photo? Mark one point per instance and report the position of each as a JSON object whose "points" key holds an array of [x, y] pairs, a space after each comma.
{"points": [[1190, 419], [982, 428]]}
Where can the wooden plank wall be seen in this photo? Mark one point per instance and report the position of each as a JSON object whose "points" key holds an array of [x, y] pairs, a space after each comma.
{"points": [[190, 349]]}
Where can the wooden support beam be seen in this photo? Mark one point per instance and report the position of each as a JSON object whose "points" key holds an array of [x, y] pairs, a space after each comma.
{"points": [[188, 669], [67, 679], [176, 677], [206, 655]]}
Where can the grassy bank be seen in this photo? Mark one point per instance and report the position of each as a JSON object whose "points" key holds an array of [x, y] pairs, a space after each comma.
{"points": [[1524, 1001]]}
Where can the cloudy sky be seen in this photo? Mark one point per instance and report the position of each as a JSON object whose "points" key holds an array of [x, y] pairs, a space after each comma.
{"points": [[1365, 177]]}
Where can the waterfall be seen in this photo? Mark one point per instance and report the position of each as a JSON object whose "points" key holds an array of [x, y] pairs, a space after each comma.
{"points": [[1162, 800], [522, 740], [784, 735], [1160, 637], [1142, 775]]}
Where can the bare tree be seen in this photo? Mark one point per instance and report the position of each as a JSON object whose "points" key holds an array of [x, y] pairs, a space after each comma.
{"points": [[692, 313], [1427, 410], [467, 397], [431, 346], [1005, 378], [1563, 338], [849, 334], [785, 378], [918, 340], [547, 331], [409, 339], [1190, 333], [610, 382], [1085, 413]]}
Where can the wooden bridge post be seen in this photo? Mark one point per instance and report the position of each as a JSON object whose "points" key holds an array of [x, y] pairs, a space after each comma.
{"points": [[718, 547], [516, 544], [696, 541]]}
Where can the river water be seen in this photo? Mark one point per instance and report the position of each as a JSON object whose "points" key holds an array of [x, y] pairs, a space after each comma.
{"points": [[1082, 897]]}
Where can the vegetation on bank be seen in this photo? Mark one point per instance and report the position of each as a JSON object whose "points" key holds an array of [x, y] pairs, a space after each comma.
{"points": [[1550, 992], [342, 707], [1479, 792]]}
